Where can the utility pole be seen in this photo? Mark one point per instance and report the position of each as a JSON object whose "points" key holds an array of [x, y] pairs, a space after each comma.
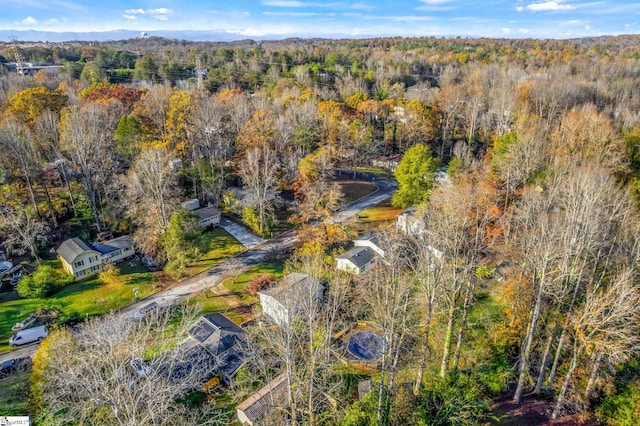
{"points": [[17, 54]]}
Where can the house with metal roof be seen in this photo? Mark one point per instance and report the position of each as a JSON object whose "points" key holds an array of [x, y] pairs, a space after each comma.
{"points": [[254, 408], [294, 295], [82, 259]]}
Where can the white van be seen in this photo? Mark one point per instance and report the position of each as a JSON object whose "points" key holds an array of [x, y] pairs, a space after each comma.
{"points": [[29, 335]]}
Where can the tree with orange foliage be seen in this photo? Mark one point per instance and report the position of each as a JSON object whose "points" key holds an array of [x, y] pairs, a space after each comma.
{"points": [[96, 92]]}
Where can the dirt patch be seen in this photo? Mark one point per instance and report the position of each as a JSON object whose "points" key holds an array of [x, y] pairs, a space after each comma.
{"points": [[532, 411]]}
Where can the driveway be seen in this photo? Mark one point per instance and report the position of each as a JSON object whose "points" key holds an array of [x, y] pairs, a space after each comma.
{"points": [[241, 233], [234, 265]]}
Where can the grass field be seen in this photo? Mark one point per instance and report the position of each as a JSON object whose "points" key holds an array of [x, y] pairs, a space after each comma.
{"points": [[80, 299], [233, 300], [14, 394], [382, 212], [354, 190], [220, 245]]}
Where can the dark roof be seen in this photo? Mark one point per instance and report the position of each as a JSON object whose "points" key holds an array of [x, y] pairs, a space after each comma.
{"points": [[359, 256], [115, 244], [260, 402], [207, 212], [70, 249], [369, 236], [216, 333]]}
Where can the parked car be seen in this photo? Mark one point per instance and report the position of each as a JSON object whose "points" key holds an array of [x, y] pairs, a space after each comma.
{"points": [[143, 311], [12, 366], [29, 335]]}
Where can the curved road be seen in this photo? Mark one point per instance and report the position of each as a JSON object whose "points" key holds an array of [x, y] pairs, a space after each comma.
{"points": [[216, 274]]}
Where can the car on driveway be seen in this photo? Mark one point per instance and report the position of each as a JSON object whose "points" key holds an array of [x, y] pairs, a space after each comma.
{"points": [[13, 366], [146, 309]]}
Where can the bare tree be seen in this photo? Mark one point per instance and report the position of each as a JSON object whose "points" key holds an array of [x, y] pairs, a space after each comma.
{"points": [[152, 196], [258, 171], [115, 371], [607, 323], [24, 231]]}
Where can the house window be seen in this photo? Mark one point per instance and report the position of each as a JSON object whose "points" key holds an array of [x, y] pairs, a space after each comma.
{"points": [[80, 273]]}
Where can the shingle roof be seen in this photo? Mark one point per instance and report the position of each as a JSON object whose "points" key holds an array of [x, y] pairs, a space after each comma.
{"points": [[115, 244], [70, 249], [260, 402], [360, 256], [287, 284], [206, 212], [369, 236], [216, 333]]}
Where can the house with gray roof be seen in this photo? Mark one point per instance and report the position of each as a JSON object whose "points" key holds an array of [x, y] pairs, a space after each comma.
{"points": [[293, 295], [224, 340], [82, 259], [363, 256]]}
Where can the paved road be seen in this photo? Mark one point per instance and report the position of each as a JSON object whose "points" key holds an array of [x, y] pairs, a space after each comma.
{"points": [[231, 266]]}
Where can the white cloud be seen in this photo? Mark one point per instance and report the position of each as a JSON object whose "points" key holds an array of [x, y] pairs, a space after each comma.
{"points": [[159, 14], [29, 20], [519, 8], [160, 11], [505, 30], [549, 5]]}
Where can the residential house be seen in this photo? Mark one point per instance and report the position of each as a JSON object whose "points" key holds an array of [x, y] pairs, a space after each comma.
{"points": [[409, 222], [387, 162], [294, 294], [363, 256], [82, 259], [209, 216], [252, 409], [224, 340]]}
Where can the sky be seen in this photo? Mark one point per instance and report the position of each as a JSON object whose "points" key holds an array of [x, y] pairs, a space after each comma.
{"points": [[330, 18]]}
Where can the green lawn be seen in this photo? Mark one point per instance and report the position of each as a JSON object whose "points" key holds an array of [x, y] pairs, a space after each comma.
{"points": [[352, 191], [382, 212], [212, 303], [14, 395], [238, 286], [220, 245], [90, 297]]}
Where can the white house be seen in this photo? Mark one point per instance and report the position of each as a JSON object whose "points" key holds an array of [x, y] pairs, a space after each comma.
{"points": [[209, 216], [363, 256], [294, 294], [82, 259], [410, 223]]}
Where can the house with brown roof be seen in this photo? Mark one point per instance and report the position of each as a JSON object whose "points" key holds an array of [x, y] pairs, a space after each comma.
{"points": [[252, 409]]}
